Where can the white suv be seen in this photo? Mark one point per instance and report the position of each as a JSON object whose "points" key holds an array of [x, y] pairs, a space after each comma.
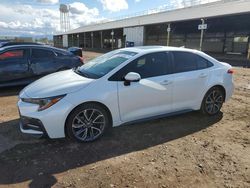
{"points": [[124, 86]]}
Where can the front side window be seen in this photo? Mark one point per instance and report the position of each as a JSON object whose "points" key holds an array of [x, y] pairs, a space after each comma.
{"points": [[12, 54], [102, 65], [150, 65]]}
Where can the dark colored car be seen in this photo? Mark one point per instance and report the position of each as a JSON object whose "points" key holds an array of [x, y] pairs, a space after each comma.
{"points": [[22, 64]]}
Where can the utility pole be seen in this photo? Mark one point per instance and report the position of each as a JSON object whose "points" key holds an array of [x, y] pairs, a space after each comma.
{"points": [[168, 30], [101, 39], [78, 40], [72, 40], [112, 34], [84, 40], [92, 39], [202, 27]]}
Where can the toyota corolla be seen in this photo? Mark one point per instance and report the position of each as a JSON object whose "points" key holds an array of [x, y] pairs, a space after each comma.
{"points": [[124, 86]]}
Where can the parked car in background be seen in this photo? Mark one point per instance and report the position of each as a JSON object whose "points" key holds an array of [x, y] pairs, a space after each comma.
{"points": [[123, 86], [22, 64]]}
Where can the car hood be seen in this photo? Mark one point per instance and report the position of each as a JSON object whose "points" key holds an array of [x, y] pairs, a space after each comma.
{"points": [[55, 84]]}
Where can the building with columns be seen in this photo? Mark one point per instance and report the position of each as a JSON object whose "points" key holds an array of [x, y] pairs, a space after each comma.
{"points": [[218, 27]]}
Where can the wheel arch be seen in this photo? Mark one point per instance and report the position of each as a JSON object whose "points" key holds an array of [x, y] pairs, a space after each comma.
{"points": [[221, 87], [89, 102], [215, 86]]}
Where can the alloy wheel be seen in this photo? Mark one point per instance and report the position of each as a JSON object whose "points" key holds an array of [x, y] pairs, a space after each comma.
{"points": [[214, 102], [88, 125]]}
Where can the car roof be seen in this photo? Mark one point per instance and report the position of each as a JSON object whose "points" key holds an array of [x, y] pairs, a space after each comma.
{"points": [[148, 49], [25, 45], [32, 46], [19, 43], [151, 49]]}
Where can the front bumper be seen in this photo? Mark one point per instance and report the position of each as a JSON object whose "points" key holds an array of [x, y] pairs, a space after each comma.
{"points": [[32, 126], [50, 122]]}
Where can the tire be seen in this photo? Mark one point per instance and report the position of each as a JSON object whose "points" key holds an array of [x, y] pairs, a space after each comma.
{"points": [[213, 101], [87, 122]]}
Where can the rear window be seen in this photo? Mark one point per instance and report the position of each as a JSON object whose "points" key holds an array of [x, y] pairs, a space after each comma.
{"points": [[40, 53], [12, 54], [62, 53], [187, 61]]}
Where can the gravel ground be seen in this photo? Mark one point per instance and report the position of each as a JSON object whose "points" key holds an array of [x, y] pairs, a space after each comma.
{"points": [[187, 150]]}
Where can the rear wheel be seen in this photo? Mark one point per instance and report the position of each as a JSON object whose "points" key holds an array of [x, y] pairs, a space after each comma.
{"points": [[87, 123], [213, 101]]}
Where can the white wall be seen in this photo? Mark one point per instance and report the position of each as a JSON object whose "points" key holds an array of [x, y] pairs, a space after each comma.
{"points": [[134, 34], [65, 41]]}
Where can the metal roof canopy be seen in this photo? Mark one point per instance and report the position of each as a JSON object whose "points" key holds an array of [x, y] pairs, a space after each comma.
{"points": [[220, 8]]}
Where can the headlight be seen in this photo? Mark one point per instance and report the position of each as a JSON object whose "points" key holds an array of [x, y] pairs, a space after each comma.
{"points": [[43, 103]]}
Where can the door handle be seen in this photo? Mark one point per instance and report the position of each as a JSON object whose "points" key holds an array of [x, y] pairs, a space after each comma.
{"points": [[166, 82], [202, 75]]}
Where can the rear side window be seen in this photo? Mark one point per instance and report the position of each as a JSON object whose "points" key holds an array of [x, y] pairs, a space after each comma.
{"points": [[187, 61], [40, 53], [150, 65], [202, 63], [12, 54], [63, 54]]}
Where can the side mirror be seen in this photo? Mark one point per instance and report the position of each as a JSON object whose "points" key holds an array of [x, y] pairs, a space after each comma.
{"points": [[131, 77]]}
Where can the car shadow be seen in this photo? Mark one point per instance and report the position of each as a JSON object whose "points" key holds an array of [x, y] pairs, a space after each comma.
{"points": [[37, 162]]}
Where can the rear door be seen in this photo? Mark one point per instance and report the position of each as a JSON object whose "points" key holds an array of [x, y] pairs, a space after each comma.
{"points": [[14, 65], [42, 61], [191, 76]]}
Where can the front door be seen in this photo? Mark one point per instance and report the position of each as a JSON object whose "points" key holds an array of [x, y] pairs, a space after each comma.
{"points": [[152, 95]]}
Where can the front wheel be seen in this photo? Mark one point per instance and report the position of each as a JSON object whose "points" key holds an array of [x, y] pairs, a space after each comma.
{"points": [[87, 123], [213, 101]]}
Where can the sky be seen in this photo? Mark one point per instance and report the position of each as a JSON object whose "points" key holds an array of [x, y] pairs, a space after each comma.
{"points": [[41, 18]]}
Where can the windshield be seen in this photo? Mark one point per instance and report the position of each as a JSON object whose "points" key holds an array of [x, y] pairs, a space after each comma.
{"points": [[102, 65]]}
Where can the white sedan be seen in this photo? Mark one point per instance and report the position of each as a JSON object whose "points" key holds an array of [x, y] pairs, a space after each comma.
{"points": [[124, 86]]}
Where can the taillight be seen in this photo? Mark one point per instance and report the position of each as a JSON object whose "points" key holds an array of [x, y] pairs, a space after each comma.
{"points": [[82, 59], [230, 71]]}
